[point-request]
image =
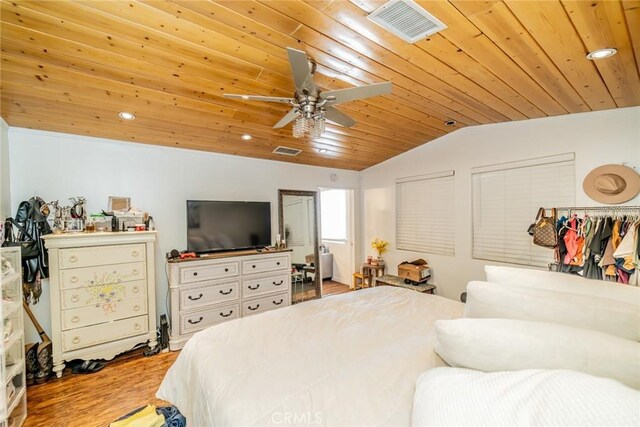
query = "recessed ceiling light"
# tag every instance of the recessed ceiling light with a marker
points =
(246, 137)
(322, 150)
(602, 53)
(125, 115)
(450, 122)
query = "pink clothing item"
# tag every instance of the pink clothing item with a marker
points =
(571, 241)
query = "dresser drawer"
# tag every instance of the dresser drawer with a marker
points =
(98, 334)
(101, 255)
(194, 322)
(105, 311)
(103, 275)
(93, 295)
(265, 304)
(265, 285)
(267, 264)
(198, 296)
(209, 272)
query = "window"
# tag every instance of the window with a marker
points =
(506, 199)
(425, 213)
(333, 208)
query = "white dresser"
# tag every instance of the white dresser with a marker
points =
(103, 297)
(225, 286)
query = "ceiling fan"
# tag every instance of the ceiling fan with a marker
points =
(312, 106)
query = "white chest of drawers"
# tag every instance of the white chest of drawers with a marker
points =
(226, 286)
(103, 297)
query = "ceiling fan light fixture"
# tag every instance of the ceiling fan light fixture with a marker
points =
(246, 137)
(309, 126)
(602, 53)
(125, 115)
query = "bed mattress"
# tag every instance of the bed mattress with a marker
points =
(351, 359)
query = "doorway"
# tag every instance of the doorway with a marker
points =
(337, 249)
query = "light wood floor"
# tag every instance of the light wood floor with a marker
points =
(77, 400)
(329, 287)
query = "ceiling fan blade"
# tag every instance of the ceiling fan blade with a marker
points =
(289, 117)
(259, 98)
(355, 93)
(300, 69)
(336, 116)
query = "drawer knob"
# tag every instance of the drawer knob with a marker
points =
(75, 319)
(75, 298)
(226, 315)
(253, 308)
(75, 340)
(74, 279)
(253, 266)
(135, 272)
(136, 307)
(193, 322)
(226, 270)
(279, 283)
(137, 326)
(254, 288)
(226, 293)
(135, 253)
(136, 289)
(195, 273)
(279, 302)
(278, 263)
(192, 298)
(73, 258)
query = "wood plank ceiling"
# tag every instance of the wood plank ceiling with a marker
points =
(71, 66)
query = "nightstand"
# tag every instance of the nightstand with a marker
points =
(391, 280)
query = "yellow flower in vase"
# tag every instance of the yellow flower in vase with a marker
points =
(380, 246)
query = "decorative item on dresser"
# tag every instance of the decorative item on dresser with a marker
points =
(13, 394)
(225, 286)
(103, 295)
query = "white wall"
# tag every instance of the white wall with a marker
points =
(5, 186)
(158, 180)
(343, 262)
(597, 138)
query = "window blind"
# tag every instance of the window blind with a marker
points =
(425, 213)
(506, 199)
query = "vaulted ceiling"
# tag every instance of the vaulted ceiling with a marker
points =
(71, 66)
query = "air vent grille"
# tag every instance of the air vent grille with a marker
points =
(286, 151)
(407, 20)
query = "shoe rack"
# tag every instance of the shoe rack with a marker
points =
(13, 400)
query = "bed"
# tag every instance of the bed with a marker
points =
(351, 359)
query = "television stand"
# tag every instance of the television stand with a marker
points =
(222, 286)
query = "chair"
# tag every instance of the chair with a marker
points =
(362, 279)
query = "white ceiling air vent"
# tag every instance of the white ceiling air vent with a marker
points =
(407, 20)
(286, 151)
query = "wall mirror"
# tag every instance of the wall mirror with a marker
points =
(297, 214)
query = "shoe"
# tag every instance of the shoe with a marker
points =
(88, 367)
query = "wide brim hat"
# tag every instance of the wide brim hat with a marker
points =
(612, 184)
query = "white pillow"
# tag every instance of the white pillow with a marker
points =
(492, 345)
(461, 397)
(490, 300)
(524, 277)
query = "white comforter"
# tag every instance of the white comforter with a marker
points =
(345, 360)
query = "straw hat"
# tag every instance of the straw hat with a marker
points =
(612, 184)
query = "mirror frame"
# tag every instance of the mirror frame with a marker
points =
(316, 238)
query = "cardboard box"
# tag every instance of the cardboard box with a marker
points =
(416, 271)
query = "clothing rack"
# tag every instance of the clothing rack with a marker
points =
(613, 209)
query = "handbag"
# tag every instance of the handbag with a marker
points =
(544, 231)
(29, 249)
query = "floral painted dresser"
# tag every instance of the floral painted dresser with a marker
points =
(103, 297)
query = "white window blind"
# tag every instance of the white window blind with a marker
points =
(425, 213)
(506, 199)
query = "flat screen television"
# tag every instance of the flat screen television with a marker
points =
(221, 226)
